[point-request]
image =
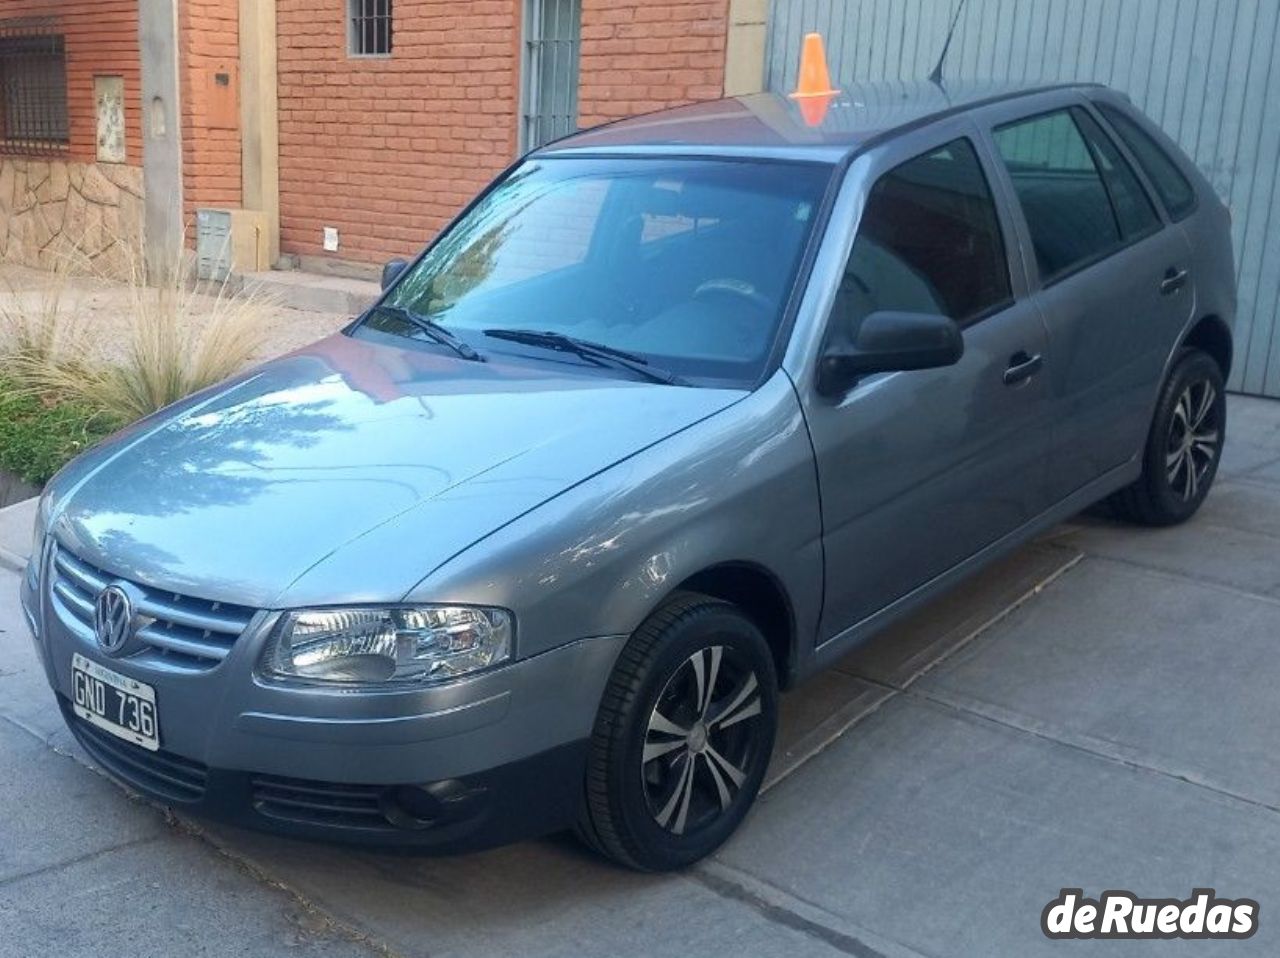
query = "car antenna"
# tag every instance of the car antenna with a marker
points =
(936, 76)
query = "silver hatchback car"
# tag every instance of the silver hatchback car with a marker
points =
(674, 414)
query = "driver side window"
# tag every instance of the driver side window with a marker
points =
(929, 242)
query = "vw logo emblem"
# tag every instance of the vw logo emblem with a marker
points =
(113, 619)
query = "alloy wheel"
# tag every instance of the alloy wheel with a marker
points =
(1195, 435)
(704, 739)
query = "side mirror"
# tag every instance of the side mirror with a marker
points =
(890, 342)
(393, 269)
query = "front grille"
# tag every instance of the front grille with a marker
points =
(320, 803)
(168, 776)
(178, 630)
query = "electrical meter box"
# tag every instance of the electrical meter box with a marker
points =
(230, 241)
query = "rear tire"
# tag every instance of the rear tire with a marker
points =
(683, 736)
(1183, 448)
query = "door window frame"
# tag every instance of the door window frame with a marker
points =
(1100, 110)
(1015, 112)
(1008, 300)
(913, 146)
(1158, 223)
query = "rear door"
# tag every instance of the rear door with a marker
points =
(921, 470)
(1114, 282)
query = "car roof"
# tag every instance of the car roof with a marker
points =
(775, 124)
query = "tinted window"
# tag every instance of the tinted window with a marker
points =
(1175, 192)
(1063, 197)
(1134, 212)
(929, 242)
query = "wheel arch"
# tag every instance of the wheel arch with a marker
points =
(761, 596)
(1212, 335)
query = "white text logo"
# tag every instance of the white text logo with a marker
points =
(1121, 914)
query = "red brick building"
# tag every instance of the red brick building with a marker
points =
(364, 122)
(386, 149)
(56, 59)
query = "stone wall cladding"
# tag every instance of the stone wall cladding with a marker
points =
(59, 212)
(68, 207)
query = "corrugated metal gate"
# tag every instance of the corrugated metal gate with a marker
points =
(1208, 71)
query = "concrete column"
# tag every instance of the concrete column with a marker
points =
(161, 134)
(745, 47)
(259, 122)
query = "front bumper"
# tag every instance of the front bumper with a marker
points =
(465, 764)
(522, 799)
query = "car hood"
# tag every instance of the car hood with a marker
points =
(244, 493)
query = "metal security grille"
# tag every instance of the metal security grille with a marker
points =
(33, 87)
(553, 30)
(369, 29)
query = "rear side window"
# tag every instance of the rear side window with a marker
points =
(1063, 197)
(1175, 191)
(1134, 213)
(929, 242)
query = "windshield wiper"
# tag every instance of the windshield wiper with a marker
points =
(598, 353)
(434, 330)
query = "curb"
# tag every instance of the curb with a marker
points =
(11, 560)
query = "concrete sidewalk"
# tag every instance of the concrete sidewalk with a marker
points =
(1098, 711)
(86, 871)
(315, 292)
(17, 524)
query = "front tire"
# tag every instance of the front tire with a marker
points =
(683, 736)
(1183, 449)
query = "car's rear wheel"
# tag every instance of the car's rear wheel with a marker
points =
(682, 738)
(1183, 448)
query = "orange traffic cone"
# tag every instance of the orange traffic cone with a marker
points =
(813, 89)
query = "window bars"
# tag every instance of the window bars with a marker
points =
(553, 30)
(369, 28)
(33, 87)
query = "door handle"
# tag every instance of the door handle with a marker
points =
(1022, 367)
(1174, 280)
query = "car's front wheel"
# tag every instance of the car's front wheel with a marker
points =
(1184, 446)
(683, 736)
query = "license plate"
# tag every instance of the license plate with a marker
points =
(115, 703)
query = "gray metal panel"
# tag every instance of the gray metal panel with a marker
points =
(213, 244)
(1208, 71)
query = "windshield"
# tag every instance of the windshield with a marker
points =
(685, 264)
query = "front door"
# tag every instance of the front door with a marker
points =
(921, 470)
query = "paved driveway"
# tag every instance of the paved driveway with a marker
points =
(1099, 711)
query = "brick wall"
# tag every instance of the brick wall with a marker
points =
(101, 38)
(388, 149)
(644, 55)
(208, 33)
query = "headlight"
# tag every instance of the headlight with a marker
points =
(363, 646)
